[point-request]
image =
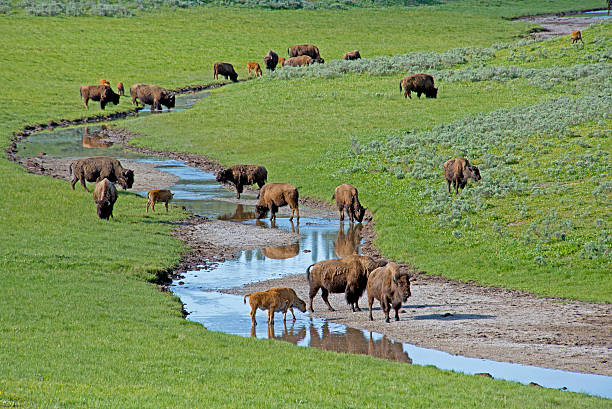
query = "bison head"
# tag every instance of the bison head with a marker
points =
(108, 95)
(234, 77)
(168, 99)
(261, 211)
(299, 304)
(127, 179)
(431, 93)
(225, 176)
(402, 280)
(474, 173)
(360, 214)
(318, 60)
(104, 209)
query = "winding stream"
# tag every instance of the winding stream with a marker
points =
(198, 290)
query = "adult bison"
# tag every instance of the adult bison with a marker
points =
(352, 55)
(305, 49)
(457, 171)
(105, 196)
(226, 70)
(347, 200)
(275, 195)
(390, 287)
(243, 175)
(102, 93)
(419, 83)
(99, 167)
(271, 60)
(348, 275)
(152, 95)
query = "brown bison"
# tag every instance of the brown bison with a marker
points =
(298, 61)
(348, 243)
(105, 196)
(226, 70)
(278, 299)
(576, 35)
(99, 167)
(348, 275)
(457, 171)
(347, 199)
(243, 175)
(390, 287)
(281, 62)
(158, 195)
(419, 83)
(275, 195)
(352, 55)
(120, 88)
(104, 82)
(253, 66)
(102, 93)
(152, 95)
(306, 49)
(271, 60)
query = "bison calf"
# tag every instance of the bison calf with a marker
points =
(158, 195)
(305, 49)
(275, 195)
(99, 167)
(419, 83)
(576, 35)
(390, 287)
(278, 299)
(152, 95)
(271, 60)
(243, 175)
(105, 196)
(352, 55)
(298, 61)
(253, 66)
(281, 62)
(120, 88)
(226, 70)
(102, 93)
(347, 199)
(457, 171)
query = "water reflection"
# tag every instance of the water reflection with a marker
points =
(239, 215)
(348, 243)
(94, 140)
(281, 252)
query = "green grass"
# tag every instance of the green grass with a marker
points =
(81, 325)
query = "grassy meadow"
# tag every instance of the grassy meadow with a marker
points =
(82, 323)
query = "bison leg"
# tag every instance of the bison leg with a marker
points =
(407, 94)
(370, 302)
(253, 311)
(448, 183)
(397, 308)
(148, 204)
(84, 184)
(271, 315)
(85, 101)
(418, 95)
(153, 206)
(384, 303)
(324, 294)
(311, 295)
(166, 207)
(291, 309)
(238, 190)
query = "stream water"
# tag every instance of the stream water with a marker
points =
(320, 239)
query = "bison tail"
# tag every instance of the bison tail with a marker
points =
(308, 272)
(245, 297)
(400, 86)
(333, 196)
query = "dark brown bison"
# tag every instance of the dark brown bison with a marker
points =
(158, 195)
(102, 93)
(120, 88)
(352, 55)
(243, 175)
(275, 195)
(419, 83)
(99, 167)
(348, 275)
(305, 49)
(390, 287)
(152, 95)
(226, 70)
(278, 299)
(347, 199)
(105, 196)
(298, 61)
(271, 60)
(457, 171)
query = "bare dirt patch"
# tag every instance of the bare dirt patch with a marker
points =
(556, 25)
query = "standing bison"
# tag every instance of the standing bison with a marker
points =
(390, 287)
(306, 49)
(120, 88)
(352, 55)
(99, 167)
(457, 171)
(347, 199)
(271, 60)
(226, 70)
(419, 83)
(158, 195)
(279, 299)
(243, 175)
(300, 61)
(275, 195)
(105, 196)
(348, 275)
(576, 36)
(102, 93)
(152, 95)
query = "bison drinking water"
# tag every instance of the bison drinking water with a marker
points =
(275, 195)
(271, 60)
(419, 83)
(226, 70)
(99, 167)
(152, 95)
(457, 171)
(102, 93)
(347, 199)
(243, 175)
(390, 287)
(105, 196)
(278, 299)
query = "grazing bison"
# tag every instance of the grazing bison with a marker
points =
(158, 195)
(576, 35)
(352, 55)
(253, 66)
(419, 83)
(120, 88)
(226, 70)
(104, 82)
(243, 175)
(348, 275)
(305, 49)
(457, 171)
(298, 61)
(390, 287)
(271, 60)
(281, 62)
(347, 199)
(99, 167)
(105, 196)
(152, 95)
(102, 93)
(275, 299)
(275, 195)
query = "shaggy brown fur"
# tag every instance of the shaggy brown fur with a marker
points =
(226, 70)
(419, 83)
(390, 288)
(102, 93)
(348, 243)
(576, 36)
(120, 88)
(275, 195)
(298, 61)
(152, 95)
(281, 62)
(243, 175)
(271, 60)
(305, 49)
(158, 195)
(457, 171)
(253, 66)
(105, 196)
(99, 167)
(275, 299)
(347, 199)
(348, 275)
(281, 252)
(352, 55)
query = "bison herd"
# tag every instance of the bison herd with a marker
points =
(146, 94)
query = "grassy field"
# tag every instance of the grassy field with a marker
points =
(81, 323)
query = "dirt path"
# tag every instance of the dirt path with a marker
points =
(556, 25)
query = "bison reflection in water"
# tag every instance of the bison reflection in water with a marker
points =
(348, 243)
(238, 215)
(281, 252)
(94, 140)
